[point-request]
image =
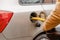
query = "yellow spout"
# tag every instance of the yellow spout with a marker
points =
(38, 18)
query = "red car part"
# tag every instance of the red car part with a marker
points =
(5, 17)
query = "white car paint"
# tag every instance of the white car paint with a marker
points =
(20, 26)
(13, 5)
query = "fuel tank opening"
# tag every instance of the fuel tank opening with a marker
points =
(33, 14)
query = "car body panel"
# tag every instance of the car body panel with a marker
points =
(20, 25)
